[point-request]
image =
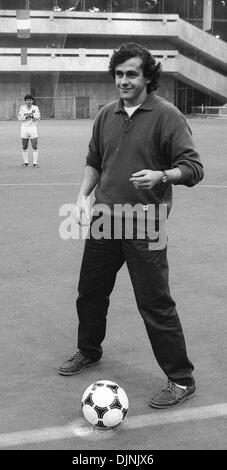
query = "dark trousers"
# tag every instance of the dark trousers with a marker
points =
(149, 274)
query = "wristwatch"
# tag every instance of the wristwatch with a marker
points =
(164, 177)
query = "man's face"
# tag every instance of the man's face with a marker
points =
(29, 103)
(130, 81)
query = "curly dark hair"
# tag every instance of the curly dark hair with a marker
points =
(151, 69)
(29, 97)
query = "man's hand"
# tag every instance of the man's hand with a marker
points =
(146, 179)
(82, 212)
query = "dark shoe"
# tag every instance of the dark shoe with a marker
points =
(172, 395)
(24, 164)
(35, 165)
(75, 364)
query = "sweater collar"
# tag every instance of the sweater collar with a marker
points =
(147, 105)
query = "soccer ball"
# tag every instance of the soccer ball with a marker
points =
(104, 404)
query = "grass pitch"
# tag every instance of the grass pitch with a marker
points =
(39, 274)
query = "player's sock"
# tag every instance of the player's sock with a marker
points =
(25, 155)
(35, 157)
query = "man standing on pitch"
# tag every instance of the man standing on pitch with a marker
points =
(140, 146)
(29, 115)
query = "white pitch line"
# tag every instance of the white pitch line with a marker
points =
(80, 430)
(177, 416)
(221, 186)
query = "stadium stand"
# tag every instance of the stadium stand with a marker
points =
(59, 51)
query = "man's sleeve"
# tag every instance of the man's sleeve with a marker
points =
(182, 151)
(37, 113)
(21, 114)
(94, 154)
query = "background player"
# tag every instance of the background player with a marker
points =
(29, 114)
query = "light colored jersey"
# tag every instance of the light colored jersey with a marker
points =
(24, 116)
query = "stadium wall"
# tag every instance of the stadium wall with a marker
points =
(94, 90)
(12, 85)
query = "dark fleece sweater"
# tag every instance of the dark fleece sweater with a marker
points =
(156, 137)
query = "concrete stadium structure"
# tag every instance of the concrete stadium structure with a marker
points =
(64, 60)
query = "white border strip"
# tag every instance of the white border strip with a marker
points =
(80, 430)
(39, 184)
(213, 186)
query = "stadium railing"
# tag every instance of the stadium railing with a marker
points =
(209, 111)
